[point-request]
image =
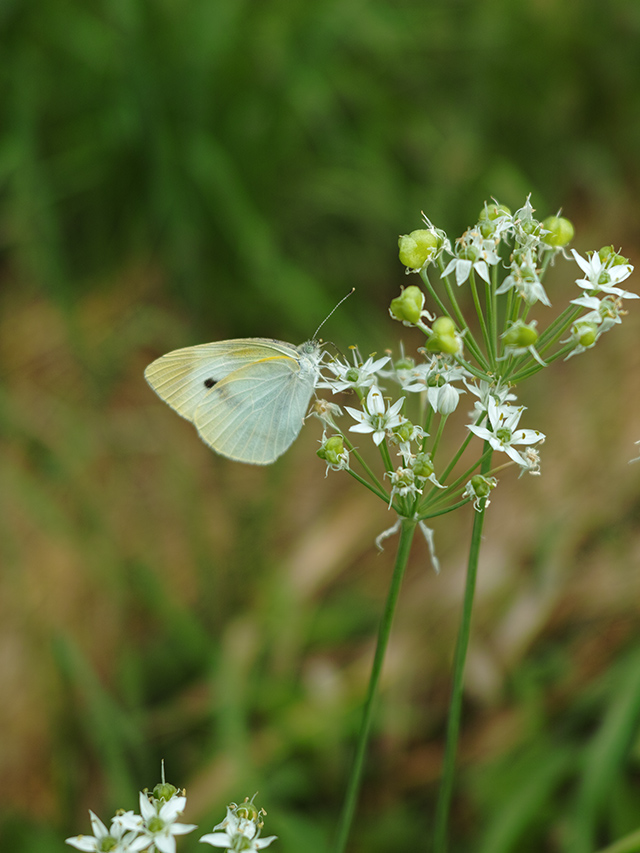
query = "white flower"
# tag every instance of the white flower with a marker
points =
(524, 279)
(444, 398)
(601, 278)
(158, 824)
(474, 252)
(485, 391)
(356, 375)
(239, 834)
(504, 432)
(125, 840)
(377, 418)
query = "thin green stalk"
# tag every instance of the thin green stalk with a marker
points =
(364, 465)
(481, 318)
(629, 844)
(382, 495)
(407, 530)
(455, 707)
(444, 511)
(438, 436)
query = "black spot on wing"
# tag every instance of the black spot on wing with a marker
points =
(209, 383)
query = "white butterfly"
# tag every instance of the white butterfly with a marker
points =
(247, 398)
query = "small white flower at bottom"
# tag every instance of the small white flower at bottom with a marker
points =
(124, 840)
(239, 834)
(158, 824)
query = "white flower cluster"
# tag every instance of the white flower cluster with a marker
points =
(156, 827)
(503, 259)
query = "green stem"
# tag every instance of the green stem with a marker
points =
(455, 707)
(628, 844)
(407, 530)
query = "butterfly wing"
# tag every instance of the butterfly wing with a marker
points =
(256, 412)
(183, 378)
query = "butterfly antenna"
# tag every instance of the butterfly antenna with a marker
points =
(333, 310)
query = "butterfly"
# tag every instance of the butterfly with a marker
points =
(247, 398)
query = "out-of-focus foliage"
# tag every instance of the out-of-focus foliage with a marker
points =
(263, 151)
(173, 172)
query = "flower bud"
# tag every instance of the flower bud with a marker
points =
(404, 432)
(417, 248)
(332, 451)
(443, 337)
(521, 335)
(164, 791)
(482, 485)
(585, 332)
(478, 489)
(443, 326)
(444, 399)
(422, 465)
(493, 211)
(611, 258)
(408, 306)
(488, 215)
(560, 230)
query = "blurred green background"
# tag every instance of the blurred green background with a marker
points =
(178, 172)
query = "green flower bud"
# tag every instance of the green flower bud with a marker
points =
(408, 306)
(417, 248)
(560, 230)
(493, 211)
(164, 791)
(443, 337)
(585, 333)
(611, 258)
(488, 215)
(481, 485)
(443, 326)
(404, 431)
(332, 450)
(521, 335)
(404, 363)
(448, 344)
(247, 810)
(422, 465)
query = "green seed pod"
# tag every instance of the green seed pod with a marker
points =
(408, 306)
(443, 326)
(560, 230)
(611, 258)
(521, 335)
(332, 450)
(586, 333)
(417, 248)
(448, 344)
(481, 485)
(422, 465)
(492, 211)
